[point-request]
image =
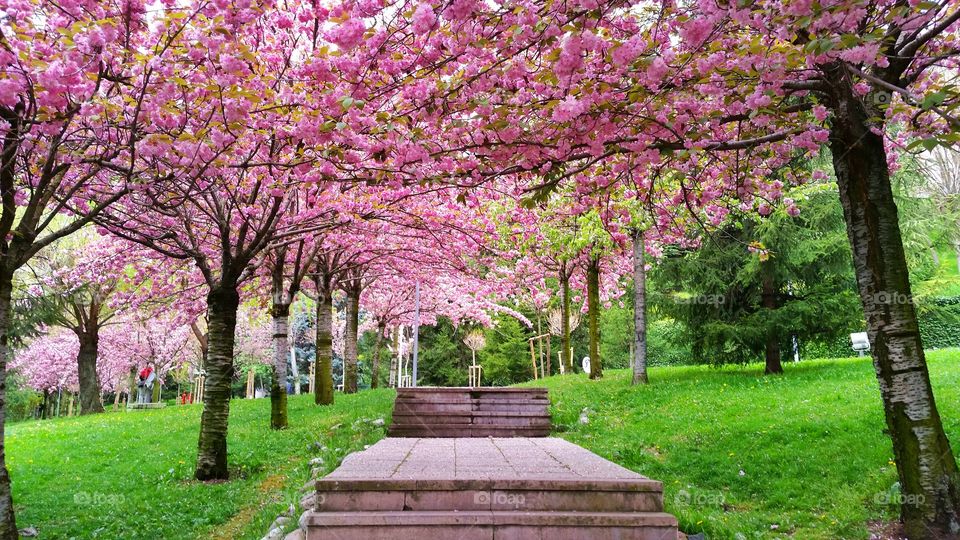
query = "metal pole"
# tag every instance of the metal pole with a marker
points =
(416, 334)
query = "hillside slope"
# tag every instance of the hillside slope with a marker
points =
(742, 455)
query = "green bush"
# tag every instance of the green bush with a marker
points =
(940, 322)
(22, 402)
(665, 344)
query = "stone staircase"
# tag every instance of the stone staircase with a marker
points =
(471, 412)
(483, 488)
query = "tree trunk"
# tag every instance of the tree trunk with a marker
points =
(44, 405)
(222, 303)
(927, 469)
(956, 251)
(395, 358)
(87, 370)
(639, 309)
(375, 363)
(769, 301)
(593, 311)
(565, 355)
(8, 524)
(132, 386)
(323, 371)
(350, 340)
(278, 388)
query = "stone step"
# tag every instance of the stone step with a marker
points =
(496, 415)
(466, 430)
(460, 419)
(460, 398)
(572, 495)
(487, 525)
(471, 412)
(444, 395)
(477, 414)
(525, 408)
(500, 390)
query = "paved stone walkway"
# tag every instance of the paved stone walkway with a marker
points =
(545, 458)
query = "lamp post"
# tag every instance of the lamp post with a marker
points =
(416, 334)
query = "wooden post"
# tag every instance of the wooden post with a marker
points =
(312, 381)
(540, 343)
(70, 405)
(198, 389)
(533, 360)
(549, 371)
(250, 383)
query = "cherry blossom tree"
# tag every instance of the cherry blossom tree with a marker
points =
(71, 88)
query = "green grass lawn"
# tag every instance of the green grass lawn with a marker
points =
(130, 475)
(741, 455)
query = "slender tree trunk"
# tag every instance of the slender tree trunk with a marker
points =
(323, 371)
(956, 252)
(639, 309)
(222, 304)
(549, 352)
(278, 388)
(350, 340)
(132, 385)
(375, 363)
(565, 354)
(8, 524)
(593, 309)
(769, 301)
(929, 478)
(395, 357)
(87, 370)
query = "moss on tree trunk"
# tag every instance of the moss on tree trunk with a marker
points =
(280, 312)
(222, 303)
(323, 370)
(350, 340)
(927, 469)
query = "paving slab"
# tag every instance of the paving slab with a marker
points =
(470, 458)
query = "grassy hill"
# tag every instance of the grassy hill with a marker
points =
(740, 455)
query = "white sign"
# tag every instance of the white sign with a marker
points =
(859, 341)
